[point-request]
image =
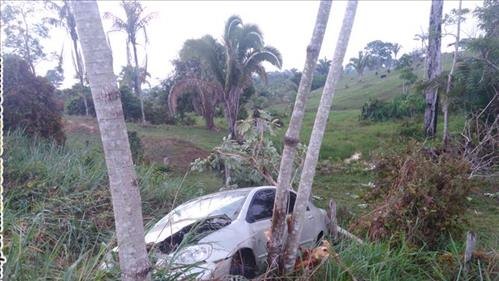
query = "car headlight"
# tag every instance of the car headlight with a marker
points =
(193, 254)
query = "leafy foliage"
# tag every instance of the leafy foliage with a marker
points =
(405, 105)
(419, 195)
(30, 102)
(254, 161)
(135, 146)
(23, 34)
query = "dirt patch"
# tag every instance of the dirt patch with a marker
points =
(175, 153)
(81, 125)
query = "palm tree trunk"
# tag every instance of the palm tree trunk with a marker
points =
(232, 110)
(127, 207)
(137, 81)
(291, 138)
(79, 71)
(308, 172)
(434, 67)
(445, 101)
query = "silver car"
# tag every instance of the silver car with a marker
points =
(224, 233)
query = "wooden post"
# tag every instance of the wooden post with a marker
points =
(332, 222)
(470, 247)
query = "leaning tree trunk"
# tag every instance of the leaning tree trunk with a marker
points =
(434, 67)
(125, 195)
(308, 172)
(291, 138)
(445, 100)
(138, 90)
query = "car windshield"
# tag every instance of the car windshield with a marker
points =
(228, 203)
(224, 203)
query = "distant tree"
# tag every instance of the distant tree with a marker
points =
(123, 184)
(380, 54)
(24, 30)
(242, 55)
(434, 67)
(67, 21)
(408, 78)
(56, 75)
(323, 66)
(395, 49)
(134, 22)
(360, 63)
(455, 17)
(29, 102)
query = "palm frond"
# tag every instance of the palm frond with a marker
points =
(230, 26)
(268, 54)
(209, 91)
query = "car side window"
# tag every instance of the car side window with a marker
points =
(262, 206)
(291, 202)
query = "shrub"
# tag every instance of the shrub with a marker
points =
(420, 195)
(406, 105)
(135, 146)
(30, 102)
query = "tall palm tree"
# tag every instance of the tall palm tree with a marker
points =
(360, 63)
(67, 20)
(125, 195)
(310, 163)
(134, 22)
(232, 64)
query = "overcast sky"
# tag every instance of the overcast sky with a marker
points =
(286, 25)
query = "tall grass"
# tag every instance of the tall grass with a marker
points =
(58, 215)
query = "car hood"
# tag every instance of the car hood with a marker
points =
(161, 231)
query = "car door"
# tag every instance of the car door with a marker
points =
(307, 237)
(259, 218)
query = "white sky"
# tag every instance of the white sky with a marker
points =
(287, 25)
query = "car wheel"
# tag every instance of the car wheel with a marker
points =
(243, 264)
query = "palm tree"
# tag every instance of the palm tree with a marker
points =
(67, 20)
(232, 64)
(134, 22)
(395, 49)
(292, 137)
(323, 66)
(310, 163)
(359, 63)
(127, 207)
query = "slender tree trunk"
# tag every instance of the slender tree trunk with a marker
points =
(137, 81)
(434, 67)
(308, 172)
(134, 262)
(79, 71)
(291, 138)
(445, 100)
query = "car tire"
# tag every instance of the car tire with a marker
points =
(243, 264)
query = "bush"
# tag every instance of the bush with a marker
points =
(406, 105)
(420, 195)
(136, 147)
(30, 102)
